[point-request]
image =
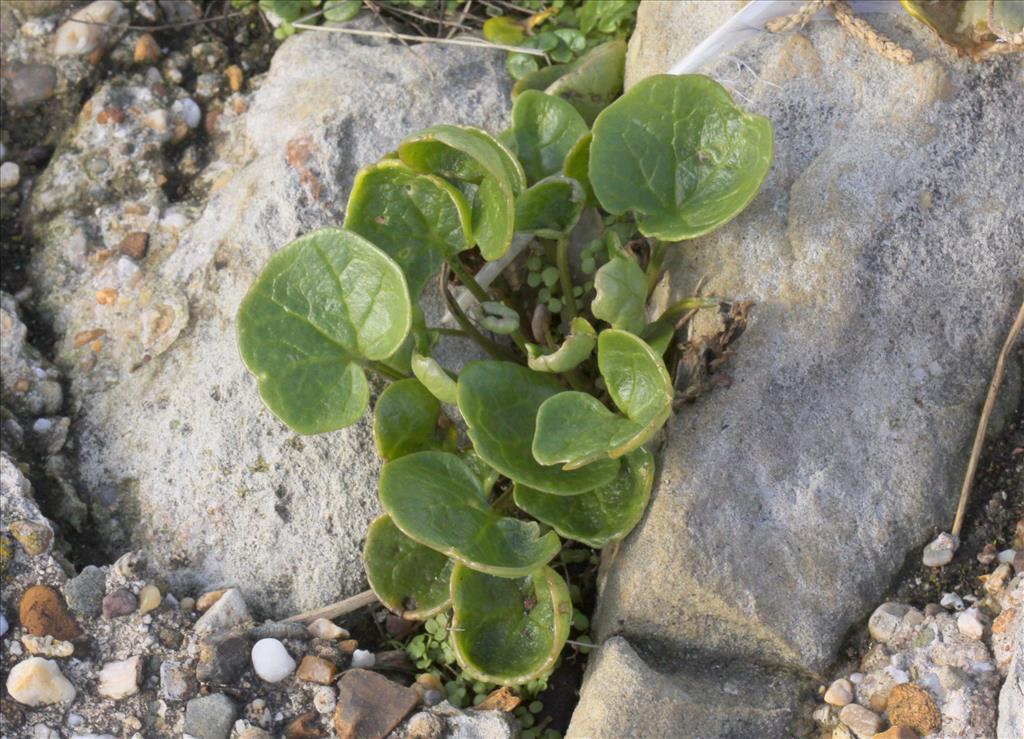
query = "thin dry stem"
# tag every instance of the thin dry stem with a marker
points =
(336, 610)
(478, 43)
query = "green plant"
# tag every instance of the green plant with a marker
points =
(558, 419)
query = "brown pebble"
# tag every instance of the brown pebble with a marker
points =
(147, 50)
(22, 385)
(106, 296)
(208, 599)
(43, 612)
(1018, 560)
(235, 77)
(878, 701)
(370, 705)
(502, 699)
(348, 646)
(110, 114)
(988, 554)
(96, 345)
(85, 337)
(1004, 621)
(914, 707)
(134, 245)
(119, 603)
(316, 670)
(896, 732)
(304, 727)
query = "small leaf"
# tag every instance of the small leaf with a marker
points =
(493, 218)
(594, 80)
(600, 516)
(498, 318)
(405, 420)
(520, 65)
(544, 128)
(434, 378)
(321, 305)
(577, 165)
(407, 577)
(499, 401)
(574, 350)
(551, 208)
(575, 429)
(621, 295)
(417, 219)
(540, 79)
(677, 152)
(504, 30)
(437, 500)
(509, 632)
(339, 11)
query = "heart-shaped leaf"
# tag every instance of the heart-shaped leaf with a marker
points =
(544, 129)
(504, 30)
(572, 353)
(509, 631)
(602, 515)
(494, 218)
(621, 288)
(405, 420)
(551, 208)
(577, 165)
(417, 219)
(324, 304)
(680, 154)
(436, 499)
(434, 378)
(499, 401)
(407, 577)
(540, 79)
(594, 80)
(575, 429)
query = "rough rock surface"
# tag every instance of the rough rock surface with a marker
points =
(177, 454)
(788, 501)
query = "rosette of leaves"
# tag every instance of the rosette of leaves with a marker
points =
(557, 423)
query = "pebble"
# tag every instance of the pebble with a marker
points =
(187, 605)
(897, 732)
(885, 620)
(119, 603)
(176, 682)
(47, 646)
(131, 565)
(996, 582)
(839, 693)
(271, 660)
(279, 630)
(85, 592)
(10, 175)
(43, 613)
(34, 536)
(39, 682)
(304, 726)
(208, 599)
(952, 600)
(370, 705)
(4, 626)
(149, 598)
(940, 552)
(914, 707)
(424, 725)
(222, 659)
(75, 38)
(363, 658)
(862, 722)
(1006, 556)
(134, 245)
(988, 554)
(147, 51)
(970, 624)
(120, 679)
(30, 84)
(236, 77)
(323, 699)
(324, 629)
(228, 611)
(210, 716)
(188, 110)
(316, 670)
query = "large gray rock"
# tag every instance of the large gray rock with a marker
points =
(1011, 697)
(884, 254)
(178, 455)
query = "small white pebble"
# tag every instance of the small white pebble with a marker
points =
(324, 629)
(189, 111)
(126, 268)
(39, 372)
(857, 678)
(74, 720)
(363, 658)
(952, 600)
(271, 660)
(839, 693)
(1007, 555)
(42, 425)
(10, 175)
(970, 624)
(898, 676)
(16, 649)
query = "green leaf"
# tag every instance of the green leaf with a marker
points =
(493, 218)
(540, 79)
(499, 401)
(407, 577)
(405, 420)
(573, 352)
(594, 80)
(436, 499)
(575, 429)
(965, 26)
(551, 208)
(520, 65)
(417, 219)
(506, 631)
(321, 306)
(419, 339)
(621, 295)
(544, 128)
(680, 154)
(339, 11)
(498, 318)
(602, 515)
(577, 165)
(434, 378)
(504, 30)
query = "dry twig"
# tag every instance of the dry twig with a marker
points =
(336, 610)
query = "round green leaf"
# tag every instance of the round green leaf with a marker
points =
(602, 515)
(504, 30)
(434, 377)
(436, 499)
(417, 219)
(621, 298)
(407, 577)
(540, 79)
(499, 401)
(494, 218)
(405, 420)
(507, 631)
(574, 350)
(544, 128)
(577, 165)
(322, 304)
(462, 153)
(575, 429)
(551, 208)
(594, 80)
(680, 154)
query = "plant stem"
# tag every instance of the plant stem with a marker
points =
(502, 502)
(382, 369)
(495, 350)
(687, 304)
(480, 294)
(441, 331)
(654, 264)
(565, 278)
